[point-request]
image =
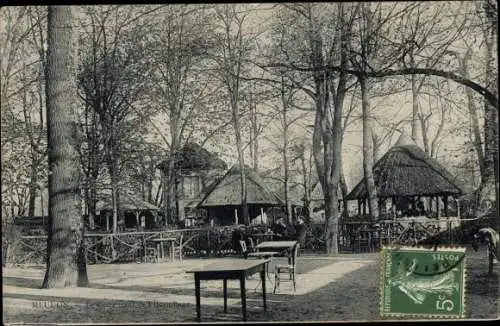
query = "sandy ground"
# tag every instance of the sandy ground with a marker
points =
(328, 289)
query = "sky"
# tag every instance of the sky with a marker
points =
(389, 108)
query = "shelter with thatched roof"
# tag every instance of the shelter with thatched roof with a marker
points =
(223, 200)
(193, 157)
(404, 175)
(137, 213)
(194, 170)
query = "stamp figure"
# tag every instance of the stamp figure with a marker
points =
(422, 282)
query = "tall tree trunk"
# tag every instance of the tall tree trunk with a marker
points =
(368, 151)
(32, 188)
(284, 112)
(331, 200)
(476, 131)
(173, 196)
(170, 190)
(151, 171)
(328, 130)
(66, 265)
(344, 190)
(254, 146)
(424, 127)
(488, 180)
(306, 184)
(92, 200)
(113, 173)
(414, 116)
(165, 194)
(241, 160)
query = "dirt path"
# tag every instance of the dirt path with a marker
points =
(329, 289)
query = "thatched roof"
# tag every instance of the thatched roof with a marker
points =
(406, 170)
(317, 192)
(227, 191)
(193, 157)
(127, 203)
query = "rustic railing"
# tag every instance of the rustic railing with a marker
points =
(216, 241)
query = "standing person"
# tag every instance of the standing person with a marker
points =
(279, 229)
(492, 239)
(421, 208)
(300, 231)
(236, 236)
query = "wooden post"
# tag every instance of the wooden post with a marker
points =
(106, 215)
(235, 216)
(359, 206)
(261, 215)
(393, 208)
(445, 201)
(438, 207)
(364, 206)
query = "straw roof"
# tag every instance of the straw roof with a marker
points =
(406, 170)
(227, 191)
(317, 192)
(127, 203)
(194, 157)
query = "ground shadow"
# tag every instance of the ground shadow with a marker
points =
(22, 282)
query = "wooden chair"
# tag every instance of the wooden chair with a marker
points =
(150, 253)
(177, 250)
(363, 241)
(288, 269)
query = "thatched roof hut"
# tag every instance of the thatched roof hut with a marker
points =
(405, 171)
(227, 191)
(193, 157)
(133, 208)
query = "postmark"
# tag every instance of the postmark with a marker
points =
(420, 282)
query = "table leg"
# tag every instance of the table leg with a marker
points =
(243, 296)
(263, 280)
(197, 290)
(225, 294)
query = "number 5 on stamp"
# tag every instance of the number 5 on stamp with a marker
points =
(421, 282)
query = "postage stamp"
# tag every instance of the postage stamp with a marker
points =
(420, 282)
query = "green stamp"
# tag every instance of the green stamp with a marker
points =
(422, 282)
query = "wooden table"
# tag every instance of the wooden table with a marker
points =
(161, 249)
(263, 236)
(276, 245)
(230, 269)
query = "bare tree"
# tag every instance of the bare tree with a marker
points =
(22, 96)
(233, 51)
(111, 80)
(489, 179)
(181, 45)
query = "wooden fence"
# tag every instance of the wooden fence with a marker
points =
(216, 241)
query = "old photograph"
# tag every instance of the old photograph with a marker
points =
(249, 162)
